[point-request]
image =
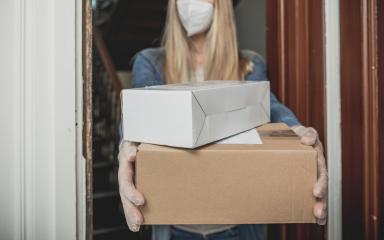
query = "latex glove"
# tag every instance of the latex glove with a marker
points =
(130, 197)
(310, 137)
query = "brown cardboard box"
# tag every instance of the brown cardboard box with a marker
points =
(229, 184)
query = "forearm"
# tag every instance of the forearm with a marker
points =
(281, 113)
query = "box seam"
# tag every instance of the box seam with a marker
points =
(205, 117)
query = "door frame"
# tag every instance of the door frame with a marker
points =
(333, 106)
(284, 78)
(41, 79)
(87, 143)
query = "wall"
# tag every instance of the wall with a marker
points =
(9, 183)
(251, 25)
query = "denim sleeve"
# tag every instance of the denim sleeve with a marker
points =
(279, 112)
(143, 74)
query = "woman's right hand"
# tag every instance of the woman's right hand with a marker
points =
(130, 197)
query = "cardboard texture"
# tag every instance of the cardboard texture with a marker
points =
(194, 114)
(229, 183)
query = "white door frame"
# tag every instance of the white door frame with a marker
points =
(333, 110)
(40, 139)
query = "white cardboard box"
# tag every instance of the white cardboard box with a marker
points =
(194, 114)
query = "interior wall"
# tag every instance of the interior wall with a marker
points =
(9, 187)
(251, 25)
(38, 133)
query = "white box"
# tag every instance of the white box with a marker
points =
(194, 114)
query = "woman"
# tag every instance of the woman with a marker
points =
(200, 44)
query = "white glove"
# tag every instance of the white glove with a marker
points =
(310, 137)
(130, 197)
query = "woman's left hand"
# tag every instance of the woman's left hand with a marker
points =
(310, 137)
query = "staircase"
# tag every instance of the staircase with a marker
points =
(136, 25)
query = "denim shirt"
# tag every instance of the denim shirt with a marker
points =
(148, 71)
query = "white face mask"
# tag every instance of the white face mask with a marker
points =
(195, 15)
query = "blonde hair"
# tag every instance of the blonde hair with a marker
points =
(221, 56)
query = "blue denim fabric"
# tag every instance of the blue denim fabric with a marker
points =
(230, 234)
(148, 70)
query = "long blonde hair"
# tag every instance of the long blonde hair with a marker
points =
(221, 56)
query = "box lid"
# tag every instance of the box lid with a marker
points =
(273, 135)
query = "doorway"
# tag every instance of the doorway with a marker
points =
(289, 36)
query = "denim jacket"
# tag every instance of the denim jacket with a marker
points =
(148, 71)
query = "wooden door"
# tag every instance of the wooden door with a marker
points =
(296, 69)
(362, 118)
(381, 116)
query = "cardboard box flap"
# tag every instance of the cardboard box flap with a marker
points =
(240, 105)
(265, 103)
(198, 120)
(274, 136)
(273, 127)
(266, 146)
(233, 98)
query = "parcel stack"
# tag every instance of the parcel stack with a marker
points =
(216, 183)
